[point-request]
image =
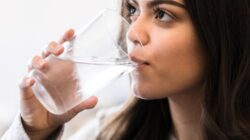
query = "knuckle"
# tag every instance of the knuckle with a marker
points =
(32, 61)
(52, 46)
(22, 82)
(35, 59)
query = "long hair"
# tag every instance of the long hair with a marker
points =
(223, 28)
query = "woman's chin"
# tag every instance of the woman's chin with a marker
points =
(149, 92)
(144, 93)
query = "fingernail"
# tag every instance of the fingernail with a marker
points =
(28, 82)
(40, 63)
(58, 50)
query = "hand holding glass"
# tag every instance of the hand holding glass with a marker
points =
(93, 59)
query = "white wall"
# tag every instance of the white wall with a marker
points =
(27, 25)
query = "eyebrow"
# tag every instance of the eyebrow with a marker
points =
(172, 2)
(153, 3)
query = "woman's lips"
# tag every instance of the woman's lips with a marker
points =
(140, 63)
(141, 68)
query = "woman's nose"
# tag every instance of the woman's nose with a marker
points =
(137, 32)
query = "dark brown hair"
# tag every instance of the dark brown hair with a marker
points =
(223, 27)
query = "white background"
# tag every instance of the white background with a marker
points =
(25, 27)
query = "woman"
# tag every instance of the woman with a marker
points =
(192, 82)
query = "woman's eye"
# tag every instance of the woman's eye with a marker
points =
(132, 11)
(162, 16)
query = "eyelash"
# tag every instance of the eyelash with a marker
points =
(128, 8)
(156, 11)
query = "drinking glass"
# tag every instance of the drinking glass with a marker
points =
(93, 59)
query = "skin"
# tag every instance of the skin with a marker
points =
(37, 121)
(171, 63)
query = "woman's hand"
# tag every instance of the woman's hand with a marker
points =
(37, 121)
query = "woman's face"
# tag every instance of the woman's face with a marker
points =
(171, 60)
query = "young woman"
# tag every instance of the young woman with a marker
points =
(192, 82)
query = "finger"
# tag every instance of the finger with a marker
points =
(56, 48)
(36, 63)
(87, 104)
(45, 52)
(67, 36)
(25, 85)
(53, 48)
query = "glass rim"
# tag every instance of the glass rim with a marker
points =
(69, 47)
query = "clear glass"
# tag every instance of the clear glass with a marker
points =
(96, 57)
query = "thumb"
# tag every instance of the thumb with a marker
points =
(25, 85)
(86, 104)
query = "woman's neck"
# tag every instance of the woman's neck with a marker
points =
(185, 111)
